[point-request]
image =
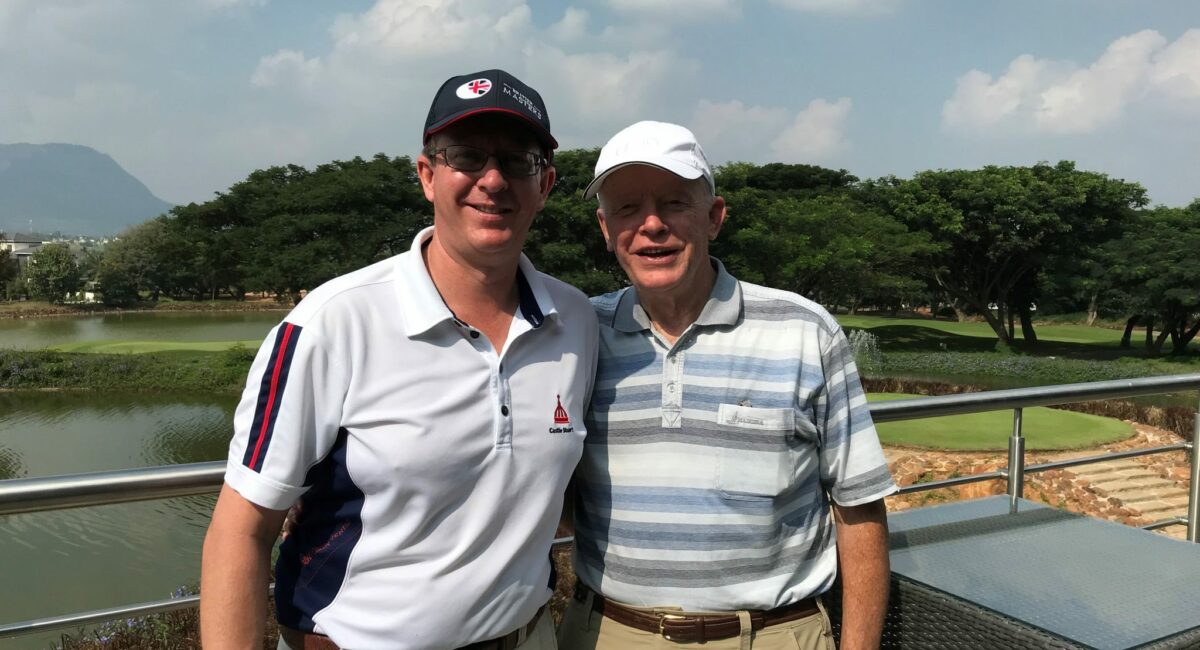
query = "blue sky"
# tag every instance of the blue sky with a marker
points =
(192, 95)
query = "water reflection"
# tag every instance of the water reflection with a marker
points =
(10, 464)
(90, 558)
(34, 333)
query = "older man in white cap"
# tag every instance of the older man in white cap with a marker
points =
(731, 461)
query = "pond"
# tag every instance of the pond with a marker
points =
(90, 558)
(34, 333)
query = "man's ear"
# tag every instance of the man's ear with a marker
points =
(604, 229)
(547, 183)
(716, 217)
(425, 174)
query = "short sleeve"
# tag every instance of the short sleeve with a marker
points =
(288, 417)
(853, 468)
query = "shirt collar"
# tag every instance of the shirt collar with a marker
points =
(724, 306)
(423, 307)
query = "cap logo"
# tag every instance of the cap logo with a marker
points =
(474, 89)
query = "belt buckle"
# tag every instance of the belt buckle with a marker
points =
(662, 620)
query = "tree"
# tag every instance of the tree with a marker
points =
(52, 273)
(1001, 224)
(286, 229)
(565, 240)
(1154, 266)
(8, 268)
(831, 247)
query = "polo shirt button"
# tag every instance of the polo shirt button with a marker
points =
(474, 334)
(504, 410)
(671, 388)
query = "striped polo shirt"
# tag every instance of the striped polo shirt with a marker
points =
(709, 464)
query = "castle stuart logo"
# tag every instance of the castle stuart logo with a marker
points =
(562, 423)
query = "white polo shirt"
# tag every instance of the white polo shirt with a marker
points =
(432, 467)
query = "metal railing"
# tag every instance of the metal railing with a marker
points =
(104, 488)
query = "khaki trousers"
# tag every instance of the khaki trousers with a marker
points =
(585, 629)
(541, 638)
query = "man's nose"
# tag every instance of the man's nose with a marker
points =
(491, 179)
(652, 224)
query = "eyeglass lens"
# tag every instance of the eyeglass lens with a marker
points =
(466, 158)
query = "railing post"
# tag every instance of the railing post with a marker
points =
(1193, 526)
(1016, 462)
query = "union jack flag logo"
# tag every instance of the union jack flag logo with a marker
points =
(474, 88)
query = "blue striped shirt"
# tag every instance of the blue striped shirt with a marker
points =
(709, 463)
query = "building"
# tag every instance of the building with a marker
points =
(20, 250)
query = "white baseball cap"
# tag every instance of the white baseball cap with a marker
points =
(667, 146)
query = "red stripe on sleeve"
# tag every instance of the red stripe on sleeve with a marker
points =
(262, 434)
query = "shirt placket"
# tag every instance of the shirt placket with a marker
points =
(672, 389)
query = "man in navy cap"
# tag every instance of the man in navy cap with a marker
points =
(429, 410)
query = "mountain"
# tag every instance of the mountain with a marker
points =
(71, 189)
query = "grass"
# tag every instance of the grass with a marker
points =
(1044, 429)
(160, 371)
(142, 347)
(38, 309)
(1053, 333)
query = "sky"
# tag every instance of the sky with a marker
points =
(190, 96)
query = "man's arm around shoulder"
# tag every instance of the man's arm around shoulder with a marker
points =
(234, 572)
(862, 548)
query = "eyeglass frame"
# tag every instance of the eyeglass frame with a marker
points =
(540, 162)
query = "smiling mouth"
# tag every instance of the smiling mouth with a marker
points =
(491, 210)
(656, 253)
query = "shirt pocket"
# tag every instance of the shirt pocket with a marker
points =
(757, 462)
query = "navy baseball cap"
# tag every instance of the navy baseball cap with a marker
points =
(490, 91)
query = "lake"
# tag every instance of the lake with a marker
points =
(90, 558)
(34, 333)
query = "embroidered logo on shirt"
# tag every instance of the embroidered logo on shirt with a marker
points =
(561, 421)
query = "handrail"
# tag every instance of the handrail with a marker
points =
(123, 486)
(1000, 400)
(103, 488)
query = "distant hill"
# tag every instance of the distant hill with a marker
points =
(71, 189)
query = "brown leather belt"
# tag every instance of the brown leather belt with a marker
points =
(311, 641)
(694, 628)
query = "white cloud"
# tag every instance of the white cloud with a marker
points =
(607, 88)
(286, 66)
(572, 27)
(838, 6)
(682, 10)
(1176, 69)
(816, 133)
(429, 28)
(1097, 95)
(591, 87)
(231, 4)
(734, 131)
(980, 101)
(1061, 97)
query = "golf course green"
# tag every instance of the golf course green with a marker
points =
(1045, 429)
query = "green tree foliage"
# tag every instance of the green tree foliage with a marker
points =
(8, 268)
(1152, 268)
(565, 239)
(287, 229)
(52, 273)
(830, 247)
(1000, 225)
(801, 228)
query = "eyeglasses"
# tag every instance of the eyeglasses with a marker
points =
(466, 158)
